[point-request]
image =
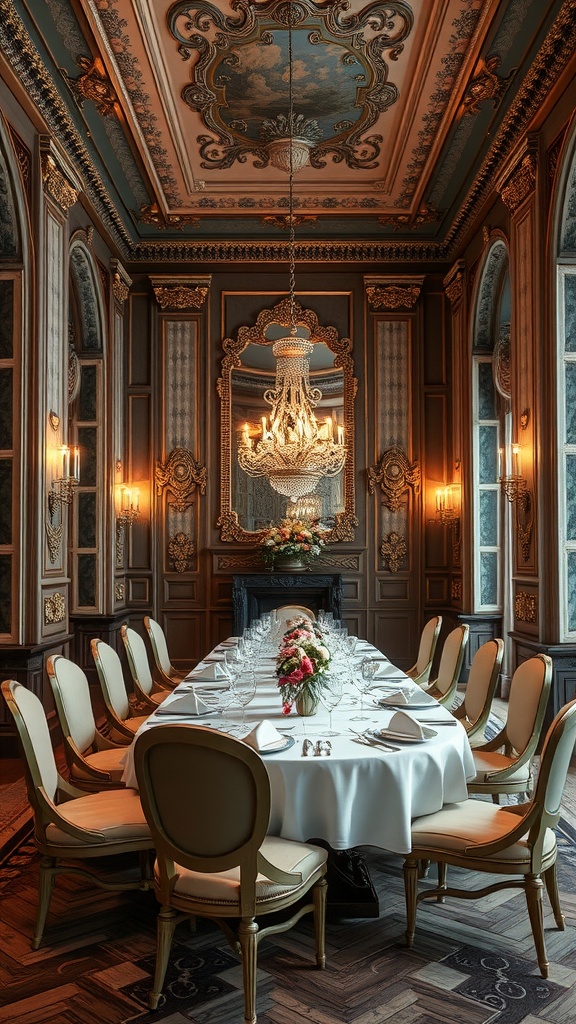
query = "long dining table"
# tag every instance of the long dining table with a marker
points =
(350, 794)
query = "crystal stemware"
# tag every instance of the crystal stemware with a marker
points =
(363, 682)
(243, 688)
(330, 697)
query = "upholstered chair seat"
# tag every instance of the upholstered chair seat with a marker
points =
(114, 816)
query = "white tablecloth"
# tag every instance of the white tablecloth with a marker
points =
(358, 796)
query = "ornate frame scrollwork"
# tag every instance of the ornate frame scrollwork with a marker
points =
(395, 475)
(181, 475)
(228, 521)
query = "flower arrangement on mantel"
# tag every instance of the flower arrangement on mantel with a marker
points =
(302, 662)
(292, 538)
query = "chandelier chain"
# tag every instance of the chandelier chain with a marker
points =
(291, 241)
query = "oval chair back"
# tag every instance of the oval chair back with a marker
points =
(73, 706)
(166, 670)
(480, 688)
(420, 672)
(446, 682)
(292, 613)
(121, 719)
(147, 693)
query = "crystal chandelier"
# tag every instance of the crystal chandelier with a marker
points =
(294, 450)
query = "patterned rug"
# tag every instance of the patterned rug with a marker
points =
(472, 961)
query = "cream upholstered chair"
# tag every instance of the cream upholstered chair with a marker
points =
(68, 823)
(420, 672)
(214, 858)
(504, 764)
(94, 761)
(444, 686)
(166, 671)
(474, 710)
(514, 841)
(290, 613)
(148, 693)
(122, 718)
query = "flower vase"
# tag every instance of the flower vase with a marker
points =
(306, 704)
(290, 563)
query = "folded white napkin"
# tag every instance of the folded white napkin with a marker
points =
(264, 736)
(386, 670)
(207, 673)
(190, 704)
(404, 725)
(403, 695)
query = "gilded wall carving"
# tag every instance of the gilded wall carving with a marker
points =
(181, 475)
(525, 607)
(56, 184)
(393, 549)
(395, 475)
(180, 295)
(54, 609)
(180, 551)
(393, 296)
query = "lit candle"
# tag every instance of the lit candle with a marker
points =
(502, 463)
(448, 498)
(340, 435)
(263, 427)
(516, 460)
(246, 436)
(136, 505)
(126, 499)
(76, 463)
(439, 500)
(65, 452)
(329, 429)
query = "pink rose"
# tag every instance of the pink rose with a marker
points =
(295, 676)
(306, 666)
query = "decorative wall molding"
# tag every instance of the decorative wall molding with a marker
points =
(121, 281)
(393, 549)
(501, 363)
(54, 609)
(456, 589)
(119, 591)
(393, 293)
(180, 550)
(181, 293)
(55, 181)
(53, 537)
(525, 607)
(454, 282)
(395, 475)
(181, 475)
(516, 185)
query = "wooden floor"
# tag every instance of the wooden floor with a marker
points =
(473, 962)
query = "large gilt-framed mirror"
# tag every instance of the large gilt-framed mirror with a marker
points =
(248, 505)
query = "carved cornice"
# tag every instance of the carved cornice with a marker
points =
(521, 183)
(180, 293)
(525, 607)
(393, 294)
(54, 609)
(24, 158)
(181, 475)
(395, 475)
(56, 184)
(393, 549)
(121, 282)
(454, 282)
(152, 214)
(180, 550)
(277, 252)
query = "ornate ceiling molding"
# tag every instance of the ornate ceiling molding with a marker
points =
(121, 282)
(180, 293)
(485, 84)
(515, 186)
(454, 282)
(393, 293)
(94, 85)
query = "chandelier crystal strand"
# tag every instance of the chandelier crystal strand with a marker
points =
(294, 452)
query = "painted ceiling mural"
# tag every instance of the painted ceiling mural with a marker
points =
(173, 112)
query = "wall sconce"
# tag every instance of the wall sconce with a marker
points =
(448, 513)
(64, 485)
(129, 506)
(515, 487)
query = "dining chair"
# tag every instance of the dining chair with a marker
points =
(122, 718)
(443, 688)
(69, 824)
(290, 613)
(148, 693)
(474, 711)
(94, 761)
(516, 841)
(214, 858)
(504, 764)
(420, 672)
(169, 676)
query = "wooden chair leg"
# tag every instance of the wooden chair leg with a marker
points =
(533, 890)
(248, 936)
(551, 883)
(47, 872)
(411, 872)
(442, 876)
(319, 898)
(166, 925)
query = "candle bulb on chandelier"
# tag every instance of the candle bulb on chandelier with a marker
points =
(76, 463)
(516, 460)
(246, 436)
(264, 428)
(136, 501)
(439, 500)
(65, 453)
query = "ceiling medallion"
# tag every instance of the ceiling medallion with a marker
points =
(345, 49)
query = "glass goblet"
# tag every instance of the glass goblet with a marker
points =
(243, 688)
(330, 697)
(363, 682)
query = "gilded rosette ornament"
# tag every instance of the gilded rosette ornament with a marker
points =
(395, 475)
(181, 475)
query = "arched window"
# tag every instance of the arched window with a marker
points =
(566, 377)
(491, 425)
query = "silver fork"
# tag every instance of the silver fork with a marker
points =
(369, 742)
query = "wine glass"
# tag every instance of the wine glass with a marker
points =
(243, 687)
(368, 670)
(331, 695)
(233, 662)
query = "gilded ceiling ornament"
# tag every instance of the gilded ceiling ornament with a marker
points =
(180, 550)
(424, 215)
(283, 221)
(525, 607)
(94, 85)
(181, 475)
(485, 85)
(54, 608)
(393, 296)
(358, 42)
(521, 183)
(395, 476)
(454, 282)
(56, 184)
(152, 214)
(393, 549)
(121, 282)
(180, 296)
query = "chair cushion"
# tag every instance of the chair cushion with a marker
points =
(223, 886)
(488, 761)
(116, 813)
(458, 826)
(105, 761)
(133, 724)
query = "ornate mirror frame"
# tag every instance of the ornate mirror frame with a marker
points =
(344, 522)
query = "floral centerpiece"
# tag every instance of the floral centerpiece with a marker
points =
(292, 538)
(301, 665)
